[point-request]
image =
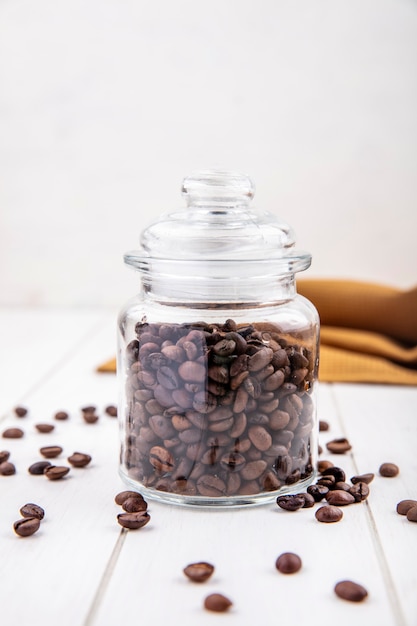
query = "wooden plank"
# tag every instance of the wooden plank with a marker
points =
(381, 424)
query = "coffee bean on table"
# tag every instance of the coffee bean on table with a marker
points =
(12, 433)
(338, 446)
(61, 415)
(56, 472)
(362, 478)
(329, 514)
(7, 468)
(79, 459)
(360, 491)
(44, 428)
(405, 505)
(338, 473)
(26, 526)
(291, 502)
(32, 510)
(309, 501)
(323, 425)
(134, 504)
(39, 467)
(20, 411)
(338, 497)
(111, 410)
(50, 452)
(351, 591)
(133, 521)
(124, 495)
(389, 470)
(217, 602)
(90, 418)
(199, 572)
(288, 563)
(319, 492)
(4, 455)
(323, 465)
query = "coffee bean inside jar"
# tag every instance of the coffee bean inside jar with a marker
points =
(218, 409)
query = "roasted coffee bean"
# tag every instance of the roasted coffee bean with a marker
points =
(7, 468)
(211, 486)
(26, 526)
(4, 455)
(134, 504)
(199, 572)
(412, 514)
(291, 502)
(124, 495)
(362, 478)
(288, 563)
(56, 472)
(217, 602)
(309, 501)
(133, 521)
(32, 510)
(20, 411)
(327, 481)
(39, 467)
(338, 446)
(338, 497)
(342, 485)
(389, 470)
(12, 433)
(260, 437)
(324, 465)
(193, 372)
(90, 418)
(337, 472)
(405, 505)
(323, 425)
(89, 409)
(360, 491)
(62, 415)
(111, 410)
(328, 514)
(161, 459)
(351, 591)
(79, 459)
(318, 492)
(44, 428)
(50, 452)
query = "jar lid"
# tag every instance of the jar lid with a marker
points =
(217, 227)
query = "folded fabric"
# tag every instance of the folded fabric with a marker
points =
(368, 332)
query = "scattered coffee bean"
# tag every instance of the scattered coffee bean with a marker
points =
(39, 467)
(199, 572)
(360, 491)
(319, 492)
(348, 590)
(338, 446)
(89, 409)
(217, 602)
(388, 470)
(362, 478)
(13, 433)
(32, 510)
(90, 418)
(111, 410)
(337, 472)
(50, 452)
(44, 428)
(291, 502)
(134, 504)
(309, 501)
(26, 526)
(323, 425)
(79, 459)
(20, 411)
(4, 455)
(405, 505)
(338, 497)
(56, 472)
(329, 514)
(61, 415)
(124, 495)
(7, 468)
(323, 465)
(412, 514)
(133, 521)
(288, 563)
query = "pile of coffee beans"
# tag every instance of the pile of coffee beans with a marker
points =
(408, 508)
(136, 510)
(7, 468)
(218, 410)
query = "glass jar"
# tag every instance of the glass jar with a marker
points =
(218, 354)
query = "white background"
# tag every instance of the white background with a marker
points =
(105, 105)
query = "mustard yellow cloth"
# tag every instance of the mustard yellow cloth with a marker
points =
(368, 331)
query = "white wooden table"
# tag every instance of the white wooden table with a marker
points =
(82, 569)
